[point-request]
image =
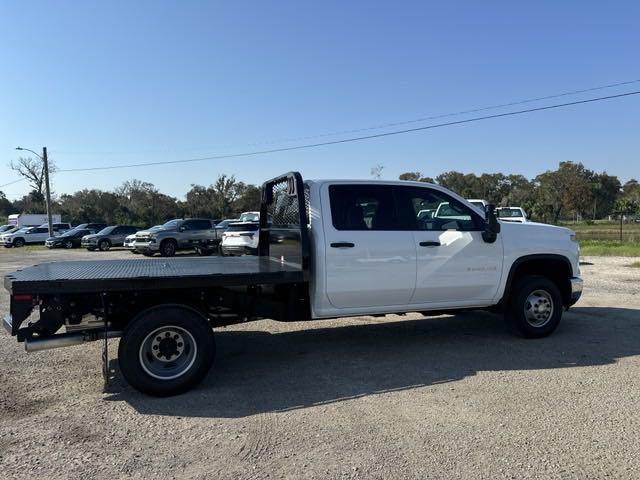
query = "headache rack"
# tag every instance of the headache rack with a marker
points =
(284, 220)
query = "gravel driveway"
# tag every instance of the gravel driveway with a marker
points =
(395, 397)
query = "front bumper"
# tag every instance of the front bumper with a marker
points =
(577, 285)
(5, 241)
(85, 244)
(146, 246)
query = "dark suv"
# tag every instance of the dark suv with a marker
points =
(108, 237)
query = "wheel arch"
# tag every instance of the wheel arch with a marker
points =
(555, 267)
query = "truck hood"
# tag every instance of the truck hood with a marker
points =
(146, 233)
(537, 227)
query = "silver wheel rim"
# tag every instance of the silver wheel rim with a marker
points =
(68, 245)
(168, 352)
(538, 308)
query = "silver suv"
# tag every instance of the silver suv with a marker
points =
(176, 235)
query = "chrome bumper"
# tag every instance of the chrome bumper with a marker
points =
(576, 289)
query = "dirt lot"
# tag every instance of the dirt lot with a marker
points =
(401, 397)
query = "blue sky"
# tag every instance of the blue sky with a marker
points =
(109, 83)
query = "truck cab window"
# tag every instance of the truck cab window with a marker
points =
(430, 209)
(363, 207)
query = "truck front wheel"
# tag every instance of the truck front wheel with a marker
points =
(166, 350)
(168, 248)
(535, 308)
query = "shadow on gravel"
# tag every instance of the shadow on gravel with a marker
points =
(258, 372)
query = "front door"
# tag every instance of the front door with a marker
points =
(370, 261)
(454, 263)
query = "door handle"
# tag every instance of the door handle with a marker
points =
(429, 244)
(343, 245)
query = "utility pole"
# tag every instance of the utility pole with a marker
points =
(47, 190)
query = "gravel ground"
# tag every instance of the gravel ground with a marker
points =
(396, 397)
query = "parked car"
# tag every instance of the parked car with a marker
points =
(7, 229)
(70, 239)
(58, 228)
(24, 236)
(90, 226)
(176, 235)
(512, 214)
(108, 237)
(363, 252)
(241, 239)
(477, 202)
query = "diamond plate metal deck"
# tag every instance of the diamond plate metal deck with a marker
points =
(150, 273)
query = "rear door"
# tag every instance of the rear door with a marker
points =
(370, 260)
(37, 235)
(117, 235)
(454, 263)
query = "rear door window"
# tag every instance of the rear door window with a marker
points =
(363, 207)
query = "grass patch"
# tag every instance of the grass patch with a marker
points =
(26, 248)
(609, 248)
(635, 265)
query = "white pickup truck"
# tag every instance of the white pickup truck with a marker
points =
(331, 248)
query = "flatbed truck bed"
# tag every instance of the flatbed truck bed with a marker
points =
(73, 277)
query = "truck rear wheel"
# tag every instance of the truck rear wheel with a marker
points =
(535, 308)
(166, 350)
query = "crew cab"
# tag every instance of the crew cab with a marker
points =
(176, 235)
(327, 248)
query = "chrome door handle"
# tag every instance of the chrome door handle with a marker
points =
(429, 244)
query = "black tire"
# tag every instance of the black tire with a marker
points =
(104, 245)
(168, 248)
(147, 254)
(18, 242)
(68, 244)
(535, 308)
(137, 360)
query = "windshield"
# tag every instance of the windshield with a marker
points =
(6, 228)
(509, 212)
(250, 217)
(106, 230)
(171, 224)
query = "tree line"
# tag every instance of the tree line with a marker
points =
(140, 203)
(570, 192)
(567, 193)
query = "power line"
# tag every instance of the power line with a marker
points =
(415, 120)
(353, 139)
(11, 183)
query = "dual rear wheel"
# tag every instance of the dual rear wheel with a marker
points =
(166, 350)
